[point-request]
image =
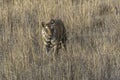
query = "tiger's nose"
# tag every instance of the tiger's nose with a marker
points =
(50, 37)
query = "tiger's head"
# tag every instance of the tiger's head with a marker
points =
(48, 28)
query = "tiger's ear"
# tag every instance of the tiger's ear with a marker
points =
(52, 21)
(43, 24)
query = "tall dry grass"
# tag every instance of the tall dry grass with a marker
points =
(93, 28)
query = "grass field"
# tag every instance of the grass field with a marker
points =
(93, 30)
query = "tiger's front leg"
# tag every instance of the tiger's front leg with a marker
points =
(56, 46)
(47, 49)
(55, 50)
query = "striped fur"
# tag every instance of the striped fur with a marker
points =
(54, 35)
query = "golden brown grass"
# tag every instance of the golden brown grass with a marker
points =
(93, 28)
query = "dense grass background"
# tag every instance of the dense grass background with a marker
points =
(93, 28)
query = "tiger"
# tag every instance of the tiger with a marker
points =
(54, 35)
